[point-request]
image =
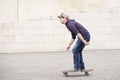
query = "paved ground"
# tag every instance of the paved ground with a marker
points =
(48, 66)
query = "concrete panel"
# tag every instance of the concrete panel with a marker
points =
(8, 10)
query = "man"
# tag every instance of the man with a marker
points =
(83, 35)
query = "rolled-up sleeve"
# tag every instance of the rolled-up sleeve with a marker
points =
(73, 36)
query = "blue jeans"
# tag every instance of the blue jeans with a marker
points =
(77, 52)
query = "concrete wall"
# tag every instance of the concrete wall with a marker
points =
(32, 26)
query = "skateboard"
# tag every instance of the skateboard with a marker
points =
(86, 71)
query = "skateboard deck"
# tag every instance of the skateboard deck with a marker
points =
(86, 71)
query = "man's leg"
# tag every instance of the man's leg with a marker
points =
(79, 50)
(82, 46)
(76, 55)
(81, 62)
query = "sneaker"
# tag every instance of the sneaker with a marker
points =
(74, 70)
(82, 70)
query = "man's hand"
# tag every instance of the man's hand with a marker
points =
(68, 48)
(70, 43)
(82, 39)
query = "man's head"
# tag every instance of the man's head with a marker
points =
(63, 18)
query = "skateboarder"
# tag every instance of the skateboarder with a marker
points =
(79, 31)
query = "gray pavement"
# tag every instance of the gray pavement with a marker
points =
(49, 65)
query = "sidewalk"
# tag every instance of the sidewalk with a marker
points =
(49, 66)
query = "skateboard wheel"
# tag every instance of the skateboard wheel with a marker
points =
(86, 74)
(65, 73)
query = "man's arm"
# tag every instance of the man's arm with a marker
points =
(70, 43)
(75, 32)
(82, 39)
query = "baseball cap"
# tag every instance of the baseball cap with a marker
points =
(62, 15)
